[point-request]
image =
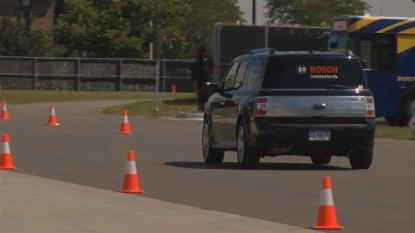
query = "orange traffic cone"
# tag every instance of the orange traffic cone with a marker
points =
(125, 126)
(131, 182)
(173, 88)
(52, 117)
(4, 112)
(327, 214)
(6, 161)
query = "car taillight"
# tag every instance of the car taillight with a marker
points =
(261, 107)
(370, 107)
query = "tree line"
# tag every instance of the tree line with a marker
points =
(125, 28)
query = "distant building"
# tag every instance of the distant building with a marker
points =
(33, 14)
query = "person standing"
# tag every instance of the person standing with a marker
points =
(202, 71)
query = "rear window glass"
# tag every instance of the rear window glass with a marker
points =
(314, 72)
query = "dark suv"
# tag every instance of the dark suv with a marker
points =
(303, 103)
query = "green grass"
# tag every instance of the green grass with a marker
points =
(383, 130)
(169, 105)
(24, 97)
(167, 108)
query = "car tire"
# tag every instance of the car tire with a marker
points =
(320, 159)
(245, 154)
(361, 158)
(405, 114)
(410, 107)
(210, 155)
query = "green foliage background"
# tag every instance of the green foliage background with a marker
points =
(14, 41)
(121, 28)
(312, 12)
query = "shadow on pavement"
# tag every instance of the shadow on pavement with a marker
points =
(262, 166)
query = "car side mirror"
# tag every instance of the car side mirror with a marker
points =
(211, 88)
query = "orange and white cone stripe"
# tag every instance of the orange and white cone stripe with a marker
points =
(125, 118)
(326, 197)
(4, 113)
(131, 182)
(130, 168)
(52, 121)
(326, 219)
(125, 126)
(6, 161)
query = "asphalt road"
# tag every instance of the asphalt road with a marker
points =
(86, 149)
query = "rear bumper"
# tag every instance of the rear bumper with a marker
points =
(294, 139)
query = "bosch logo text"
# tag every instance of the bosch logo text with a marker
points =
(323, 70)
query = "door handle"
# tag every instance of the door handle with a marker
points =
(237, 101)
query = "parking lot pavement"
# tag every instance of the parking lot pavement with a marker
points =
(33, 204)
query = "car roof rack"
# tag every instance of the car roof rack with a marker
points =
(263, 50)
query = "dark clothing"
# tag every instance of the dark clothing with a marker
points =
(201, 96)
(201, 73)
(202, 68)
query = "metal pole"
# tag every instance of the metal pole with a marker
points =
(156, 107)
(26, 14)
(163, 76)
(151, 43)
(35, 72)
(266, 36)
(78, 74)
(119, 73)
(253, 12)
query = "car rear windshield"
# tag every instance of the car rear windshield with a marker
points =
(313, 71)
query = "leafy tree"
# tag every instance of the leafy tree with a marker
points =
(115, 28)
(167, 17)
(15, 41)
(205, 13)
(312, 12)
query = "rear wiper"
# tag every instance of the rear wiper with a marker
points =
(340, 87)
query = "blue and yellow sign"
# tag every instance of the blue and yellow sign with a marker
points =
(387, 25)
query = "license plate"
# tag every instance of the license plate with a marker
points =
(319, 135)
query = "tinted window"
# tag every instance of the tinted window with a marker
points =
(378, 50)
(314, 72)
(230, 76)
(253, 80)
(240, 75)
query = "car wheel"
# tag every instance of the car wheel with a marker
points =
(210, 155)
(410, 106)
(321, 159)
(361, 159)
(245, 154)
(406, 113)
